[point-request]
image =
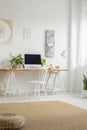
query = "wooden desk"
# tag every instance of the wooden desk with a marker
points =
(56, 72)
(9, 78)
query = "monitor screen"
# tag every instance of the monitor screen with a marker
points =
(32, 59)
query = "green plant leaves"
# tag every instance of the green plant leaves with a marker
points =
(85, 82)
(43, 62)
(17, 60)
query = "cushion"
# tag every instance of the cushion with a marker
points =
(9, 121)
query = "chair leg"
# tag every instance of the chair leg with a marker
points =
(27, 93)
(38, 90)
(35, 90)
(43, 88)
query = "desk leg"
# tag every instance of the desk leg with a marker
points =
(10, 81)
(47, 80)
(55, 74)
(54, 82)
(3, 82)
(62, 85)
(61, 82)
(15, 82)
(7, 82)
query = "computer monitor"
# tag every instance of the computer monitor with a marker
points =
(32, 59)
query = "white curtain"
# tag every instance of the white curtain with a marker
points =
(78, 44)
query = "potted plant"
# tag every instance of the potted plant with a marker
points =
(43, 62)
(17, 61)
(84, 91)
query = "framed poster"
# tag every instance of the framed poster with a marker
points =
(6, 31)
(27, 33)
(50, 43)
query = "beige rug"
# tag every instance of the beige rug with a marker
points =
(48, 115)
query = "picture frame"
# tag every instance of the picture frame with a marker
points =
(50, 43)
(6, 31)
(27, 33)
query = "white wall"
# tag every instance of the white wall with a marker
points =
(39, 15)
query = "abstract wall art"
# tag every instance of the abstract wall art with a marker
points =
(50, 43)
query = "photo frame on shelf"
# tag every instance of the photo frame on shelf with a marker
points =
(50, 43)
(6, 31)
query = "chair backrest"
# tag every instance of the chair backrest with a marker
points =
(43, 74)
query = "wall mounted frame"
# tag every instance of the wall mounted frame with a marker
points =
(6, 31)
(27, 33)
(50, 43)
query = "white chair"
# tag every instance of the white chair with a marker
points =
(39, 83)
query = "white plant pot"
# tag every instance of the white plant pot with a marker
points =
(84, 93)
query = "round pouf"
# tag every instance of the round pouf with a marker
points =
(10, 121)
